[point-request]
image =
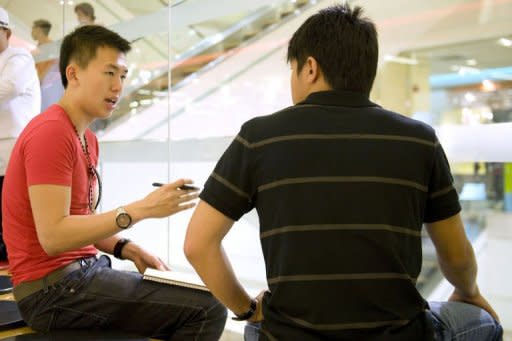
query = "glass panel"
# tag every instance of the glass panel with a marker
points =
(127, 168)
(211, 102)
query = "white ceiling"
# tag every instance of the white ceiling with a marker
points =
(438, 31)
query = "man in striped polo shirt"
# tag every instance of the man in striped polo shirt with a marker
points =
(342, 188)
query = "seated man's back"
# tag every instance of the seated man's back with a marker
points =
(341, 204)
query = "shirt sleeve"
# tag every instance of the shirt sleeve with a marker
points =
(14, 77)
(443, 200)
(230, 188)
(49, 155)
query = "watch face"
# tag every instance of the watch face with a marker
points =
(123, 220)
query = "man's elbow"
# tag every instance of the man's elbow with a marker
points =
(50, 249)
(192, 250)
(50, 245)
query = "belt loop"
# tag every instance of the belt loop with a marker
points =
(45, 284)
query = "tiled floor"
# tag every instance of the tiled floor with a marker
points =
(495, 269)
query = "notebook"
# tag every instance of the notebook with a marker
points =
(188, 280)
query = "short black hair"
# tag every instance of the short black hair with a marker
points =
(343, 43)
(44, 25)
(87, 9)
(81, 45)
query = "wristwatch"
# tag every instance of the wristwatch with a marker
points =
(248, 314)
(123, 219)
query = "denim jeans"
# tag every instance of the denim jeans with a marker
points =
(98, 297)
(451, 321)
(461, 321)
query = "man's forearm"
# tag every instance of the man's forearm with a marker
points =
(462, 275)
(214, 268)
(107, 245)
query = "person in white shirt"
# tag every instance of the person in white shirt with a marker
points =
(20, 98)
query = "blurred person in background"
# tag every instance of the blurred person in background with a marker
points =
(20, 99)
(41, 31)
(47, 68)
(85, 14)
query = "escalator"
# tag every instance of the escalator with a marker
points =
(202, 34)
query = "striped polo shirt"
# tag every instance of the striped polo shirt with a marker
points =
(341, 187)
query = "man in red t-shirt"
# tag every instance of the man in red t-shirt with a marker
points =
(52, 232)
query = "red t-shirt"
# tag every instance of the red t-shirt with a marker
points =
(48, 151)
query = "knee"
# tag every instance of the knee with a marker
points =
(218, 312)
(216, 319)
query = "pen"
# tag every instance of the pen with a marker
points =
(183, 188)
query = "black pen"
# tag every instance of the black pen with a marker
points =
(183, 188)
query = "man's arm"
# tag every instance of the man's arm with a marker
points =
(58, 231)
(132, 251)
(457, 260)
(203, 248)
(15, 75)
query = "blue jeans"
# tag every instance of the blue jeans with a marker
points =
(461, 321)
(98, 297)
(451, 321)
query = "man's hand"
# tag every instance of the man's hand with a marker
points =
(166, 200)
(142, 258)
(477, 300)
(258, 315)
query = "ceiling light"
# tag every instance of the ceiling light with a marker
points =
(488, 85)
(145, 102)
(487, 114)
(462, 70)
(505, 42)
(400, 60)
(468, 96)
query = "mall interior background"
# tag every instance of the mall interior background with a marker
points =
(200, 68)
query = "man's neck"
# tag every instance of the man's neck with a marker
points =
(78, 117)
(44, 40)
(319, 86)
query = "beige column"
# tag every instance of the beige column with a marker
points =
(402, 88)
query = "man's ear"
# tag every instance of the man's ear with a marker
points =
(72, 73)
(313, 71)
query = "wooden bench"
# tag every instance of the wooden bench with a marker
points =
(17, 329)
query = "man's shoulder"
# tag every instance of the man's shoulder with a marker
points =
(50, 121)
(405, 124)
(16, 51)
(272, 119)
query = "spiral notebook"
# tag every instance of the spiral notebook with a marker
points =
(182, 279)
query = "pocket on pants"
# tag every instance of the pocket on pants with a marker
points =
(65, 318)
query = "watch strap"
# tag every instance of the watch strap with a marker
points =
(248, 314)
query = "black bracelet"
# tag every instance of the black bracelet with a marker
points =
(248, 314)
(118, 248)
